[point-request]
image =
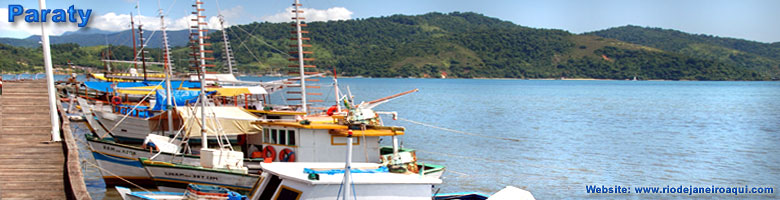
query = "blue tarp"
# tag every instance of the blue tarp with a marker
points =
(181, 97)
(106, 86)
(381, 169)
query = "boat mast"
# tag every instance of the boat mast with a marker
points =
(168, 72)
(300, 52)
(225, 41)
(143, 49)
(135, 52)
(199, 18)
(336, 90)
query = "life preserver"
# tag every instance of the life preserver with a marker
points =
(269, 152)
(331, 110)
(116, 100)
(287, 155)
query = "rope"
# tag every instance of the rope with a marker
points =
(461, 132)
(131, 110)
(269, 45)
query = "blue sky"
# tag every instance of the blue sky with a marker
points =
(747, 19)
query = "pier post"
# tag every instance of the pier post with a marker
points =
(55, 121)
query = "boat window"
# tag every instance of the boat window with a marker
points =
(270, 188)
(291, 137)
(282, 137)
(288, 193)
(273, 137)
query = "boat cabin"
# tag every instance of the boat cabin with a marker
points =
(316, 141)
(300, 180)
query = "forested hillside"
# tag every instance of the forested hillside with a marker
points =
(761, 57)
(467, 45)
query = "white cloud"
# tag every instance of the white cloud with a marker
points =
(33, 28)
(335, 13)
(112, 22)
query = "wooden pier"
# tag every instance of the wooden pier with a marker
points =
(31, 166)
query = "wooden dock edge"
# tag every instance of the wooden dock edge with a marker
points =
(75, 187)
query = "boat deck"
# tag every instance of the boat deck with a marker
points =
(31, 167)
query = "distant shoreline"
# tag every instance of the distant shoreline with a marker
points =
(478, 78)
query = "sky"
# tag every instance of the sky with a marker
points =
(745, 19)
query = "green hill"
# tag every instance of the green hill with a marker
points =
(468, 45)
(760, 57)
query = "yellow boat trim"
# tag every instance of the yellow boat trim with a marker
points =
(339, 130)
(158, 163)
(299, 125)
(271, 112)
(368, 132)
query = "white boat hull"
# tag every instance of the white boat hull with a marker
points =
(122, 161)
(131, 129)
(175, 178)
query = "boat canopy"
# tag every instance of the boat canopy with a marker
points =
(107, 86)
(232, 120)
(220, 91)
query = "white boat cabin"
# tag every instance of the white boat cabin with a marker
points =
(290, 141)
(288, 181)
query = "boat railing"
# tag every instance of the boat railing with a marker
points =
(140, 111)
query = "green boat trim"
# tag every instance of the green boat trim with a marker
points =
(147, 162)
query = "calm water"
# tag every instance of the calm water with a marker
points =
(568, 134)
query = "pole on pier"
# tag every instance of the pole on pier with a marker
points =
(55, 120)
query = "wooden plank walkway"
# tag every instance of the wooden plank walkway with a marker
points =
(31, 167)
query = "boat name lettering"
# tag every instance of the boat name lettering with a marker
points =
(195, 176)
(122, 151)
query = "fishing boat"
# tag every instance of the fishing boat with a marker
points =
(121, 160)
(193, 191)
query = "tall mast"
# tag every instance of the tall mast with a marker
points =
(225, 41)
(135, 52)
(200, 19)
(168, 73)
(300, 58)
(143, 49)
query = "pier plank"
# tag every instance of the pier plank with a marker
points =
(31, 167)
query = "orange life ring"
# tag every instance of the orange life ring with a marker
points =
(287, 155)
(271, 150)
(116, 100)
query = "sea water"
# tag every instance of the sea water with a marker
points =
(555, 137)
